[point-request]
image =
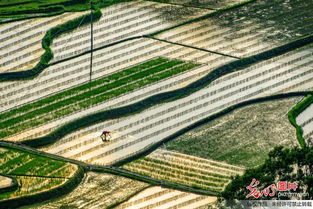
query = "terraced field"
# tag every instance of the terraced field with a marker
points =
(88, 95)
(242, 32)
(21, 41)
(122, 21)
(305, 120)
(157, 69)
(135, 133)
(34, 174)
(239, 138)
(158, 197)
(185, 169)
(34, 92)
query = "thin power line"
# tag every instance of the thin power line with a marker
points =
(91, 41)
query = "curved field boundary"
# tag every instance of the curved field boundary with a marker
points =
(10, 188)
(54, 9)
(85, 19)
(46, 42)
(96, 92)
(294, 112)
(165, 97)
(111, 170)
(68, 186)
(121, 172)
(53, 193)
(114, 205)
(208, 119)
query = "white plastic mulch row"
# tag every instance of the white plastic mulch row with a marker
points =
(145, 49)
(195, 162)
(75, 71)
(158, 197)
(137, 132)
(177, 166)
(21, 41)
(5, 182)
(119, 22)
(305, 120)
(244, 36)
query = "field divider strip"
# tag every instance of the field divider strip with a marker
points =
(294, 112)
(168, 96)
(193, 47)
(37, 176)
(110, 169)
(77, 91)
(118, 171)
(95, 49)
(183, 5)
(47, 40)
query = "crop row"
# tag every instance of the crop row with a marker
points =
(141, 18)
(169, 118)
(14, 162)
(36, 176)
(93, 96)
(24, 50)
(74, 72)
(83, 33)
(179, 158)
(305, 121)
(178, 176)
(82, 88)
(166, 166)
(166, 198)
(297, 21)
(213, 61)
(73, 140)
(32, 185)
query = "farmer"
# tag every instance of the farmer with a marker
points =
(105, 135)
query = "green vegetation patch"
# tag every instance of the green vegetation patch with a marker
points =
(34, 173)
(243, 137)
(86, 95)
(282, 164)
(16, 162)
(23, 9)
(209, 178)
(294, 112)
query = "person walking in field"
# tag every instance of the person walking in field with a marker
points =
(105, 136)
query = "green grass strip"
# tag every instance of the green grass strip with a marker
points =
(167, 96)
(105, 92)
(28, 166)
(294, 112)
(76, 90)
(78, 97)
(4, 168)
(35, 165)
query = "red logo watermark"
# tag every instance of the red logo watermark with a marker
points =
(281, 186)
